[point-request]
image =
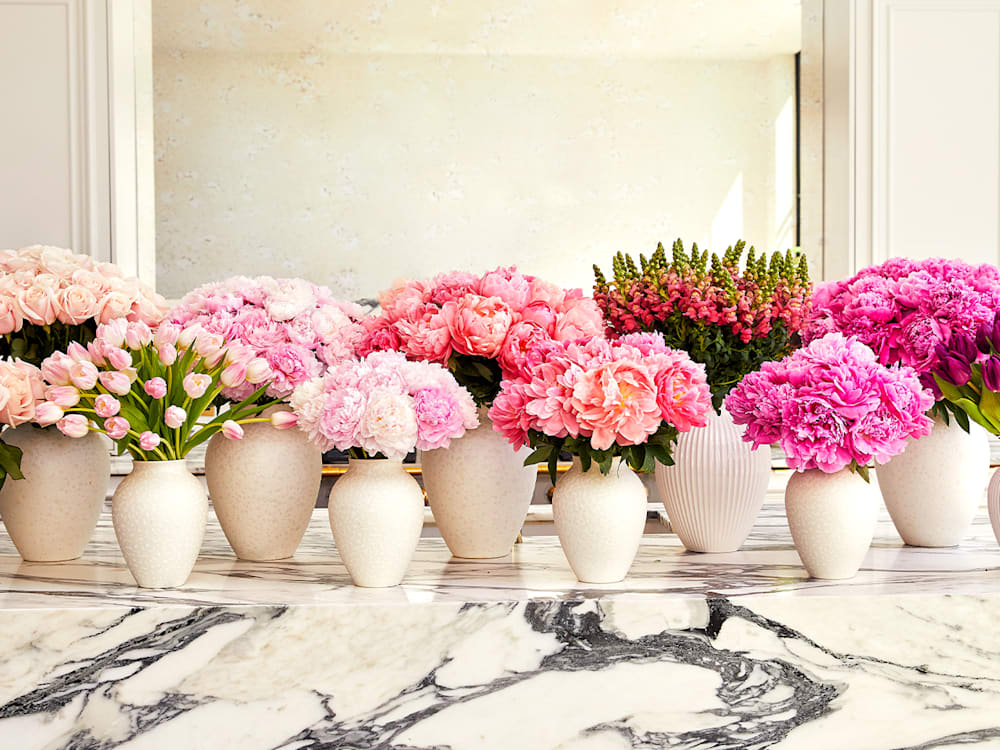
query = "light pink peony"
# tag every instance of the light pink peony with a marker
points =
(616, 403)
(478, 325)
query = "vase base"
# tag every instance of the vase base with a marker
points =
(476, 558)
(51, 560)
(264, 558)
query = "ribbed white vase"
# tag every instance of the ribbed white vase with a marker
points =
(159, 513)
(933, 489)
(479, 491)
(716, 487)
(600, 519)
(51, 513)
(832, 519)
(376, 515)
(993, 501)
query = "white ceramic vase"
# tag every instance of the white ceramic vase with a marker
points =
(51, 513)
(993, 502)
(832, 519)
(263, 488)
(600, 519)
(479, 491)
(716, 487)
(376, 514)
(159, 512)
(933, 489)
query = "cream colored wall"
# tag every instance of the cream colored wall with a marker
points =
(353, 169)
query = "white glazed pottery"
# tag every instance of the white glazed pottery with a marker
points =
(263, 488)
(599, 519)
(933, 489)
(159, 513)
(479, 491)
(716, 487)
(993, 500)
(376, 514)
(51, 513)
(832, 519)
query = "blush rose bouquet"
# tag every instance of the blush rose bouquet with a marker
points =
(297, 328)
(480, 327)
(146, 389)
(832, 405)
(599, 399)
(383, 406)
(50, 297)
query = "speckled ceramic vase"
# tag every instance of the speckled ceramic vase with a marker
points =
(716, 487)
(599, 519)
(376, 514)
(159, 512)
(933, 489)
(832, 519)
(993, 502)
(51, 513)
(479, 491)
(263, 489)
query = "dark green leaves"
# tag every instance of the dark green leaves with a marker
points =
(480, 376)
(10, 462)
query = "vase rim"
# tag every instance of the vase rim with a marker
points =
(139, 462)
(351, 460)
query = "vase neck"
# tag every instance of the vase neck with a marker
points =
(616, 464)
(160, 467)
(374, 465)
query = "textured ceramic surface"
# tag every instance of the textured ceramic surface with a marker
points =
(51, 513)
(832, 519)
(933, 488)
(479, 491)
(599, 519)
(716, 487)
(993, 501)
(376, 514)
(263, 489)
(159, 513)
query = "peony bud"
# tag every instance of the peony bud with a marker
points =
(118, 358)
(167, 354)
(73, 425)
(148, 440)
(116, 382)
(107, 406)
(284, 419)
(63, 396)
(174, 417)
(234, 375)
(48, 412)
(196, 384)
(258, 371)
(83, 375)
(155, 387)
(232, 430)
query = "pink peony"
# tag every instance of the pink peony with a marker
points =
(507, 284)
(478, 324)
(388, 424)
(581, 319)
(438, 418)
(616, 403)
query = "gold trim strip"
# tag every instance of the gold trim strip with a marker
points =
(339, 470)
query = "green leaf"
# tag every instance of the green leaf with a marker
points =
(538, 456)
(553, 465)
(10, 462)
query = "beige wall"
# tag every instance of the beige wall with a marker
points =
(354, 168)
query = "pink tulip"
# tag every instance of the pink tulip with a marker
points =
(196, 384)
(188, 335)
(166, 333)
(107, 406)
(148, 440)
(234, 375)
(73, 425)
(118, 358)
(138, 335)
(167, 354)
(77, 352)
(258, 371)
(232, 430)
(116, 427)
(155, 387)
(208, 344)
(83, 375)
(214, 357)
(116, 382)
(55, 369)
(48, 412)
(284, 419)
(63, 396)
(96, 351)
(113, 332)
(174, 417)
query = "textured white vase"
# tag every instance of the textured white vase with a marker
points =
(479, 491)
(832, 519)
(933, 489)
(376, 514)
(51, 513)
(159, 513)
(599, 519)
(716, 487)
(993, 501)
(263, 488)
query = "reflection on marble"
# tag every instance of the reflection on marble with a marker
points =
(693, 651)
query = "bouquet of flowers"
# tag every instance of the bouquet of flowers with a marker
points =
(146, 389)
(50, 297)
(729, 321)
(21, 401)
(832, 405)
(967, 374)
(598, 399)
(480, 327)
(383, 406)
(296, 327)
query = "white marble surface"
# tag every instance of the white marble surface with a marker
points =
(692, 651)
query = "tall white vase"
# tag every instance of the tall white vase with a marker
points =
(716, 487)
(993, 501)
(159, 513)
(600, 519)
(376, 514)
(933, 489)
(51, 513)
(263, 489)
(832, 519)
(479, 491)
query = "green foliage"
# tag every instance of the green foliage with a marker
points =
(10, 462)
(34, 343)
(481, 376)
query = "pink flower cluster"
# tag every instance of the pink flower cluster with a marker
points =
(903, 309)
(43, 285)
(298, 328)
(21, 394)
(384, 404)
(612, 392)
(500, 315)
(832, 405)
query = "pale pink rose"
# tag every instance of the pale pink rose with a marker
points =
(48, 412)
(581, 319)
(55, 369)
(149, 308)
(63, 396)
(174, 417)
(38, 305)
(616, 403)
(107, 406)
(284, 419)
(117, 427)
(77, 304)
(47, 281)
(232, 430)
(196, 384)
(148, 440)
(155, 387)
(73, 425)
(10, 315)
(478, 325)
(116, 382)
(82, 374)
(93, 282)
(114, 306)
